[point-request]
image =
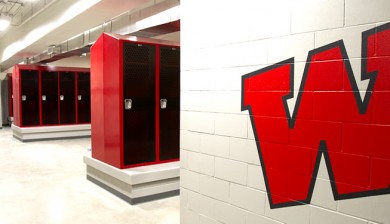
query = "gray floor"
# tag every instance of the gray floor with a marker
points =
(45, 182)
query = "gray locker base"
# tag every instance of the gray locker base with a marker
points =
(51, 132)
(135, 185)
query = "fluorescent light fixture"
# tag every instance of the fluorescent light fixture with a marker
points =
(5, 21)
(159, 18)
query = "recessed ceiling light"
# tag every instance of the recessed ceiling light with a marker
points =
(5, 21)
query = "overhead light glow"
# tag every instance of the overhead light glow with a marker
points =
(39, 32)
(5, 21)
(159, 18)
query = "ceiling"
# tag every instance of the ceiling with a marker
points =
(57, 22)
(20, 11)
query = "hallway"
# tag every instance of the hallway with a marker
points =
(45, 182)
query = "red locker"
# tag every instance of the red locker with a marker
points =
(10, 96)
(45, 95)
(83, 98)
(135, 102)
(49, 91)
(25, 82)
(67, 97)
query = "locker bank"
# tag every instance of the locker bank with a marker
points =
(169, 111)
(45, 99)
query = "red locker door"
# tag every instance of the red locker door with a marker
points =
(10, 96)
(83, 97)
(67, 98)
(169, 103)
(49, 97)
(29, 97)
(139, 106)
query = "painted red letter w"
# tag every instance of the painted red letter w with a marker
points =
(330, 118)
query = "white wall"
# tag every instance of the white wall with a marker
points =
(75, 61)
(221, 175)
(1, 109)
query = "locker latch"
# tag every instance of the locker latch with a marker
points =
(79, 97)
(163, 103)
(43, 97)
(128, 103)
(62, 97)
(24, 97)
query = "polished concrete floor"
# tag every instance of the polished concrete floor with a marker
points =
(45, 182)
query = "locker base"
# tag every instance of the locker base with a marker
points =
(10, 121)
(135, 185)
(51, 132)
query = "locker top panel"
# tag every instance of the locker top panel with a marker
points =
(51, 68)
(141, 40)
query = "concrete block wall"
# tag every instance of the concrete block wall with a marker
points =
(222, 179)
(1, 103)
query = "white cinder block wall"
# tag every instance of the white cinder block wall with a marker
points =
(221, 176)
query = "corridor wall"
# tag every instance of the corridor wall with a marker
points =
(1, 106)
(285, 112)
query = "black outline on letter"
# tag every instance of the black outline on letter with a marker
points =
(322, 148)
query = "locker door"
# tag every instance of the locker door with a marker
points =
(10, 97)
(139, 106)
(67, 98)
(170, 96)
(49, 97)
(30, 97)
(83, 97)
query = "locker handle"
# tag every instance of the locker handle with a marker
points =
(43, 97)
(128, 104)
(62, 97)
(163, 103)
(79, 97)
(24, 97)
